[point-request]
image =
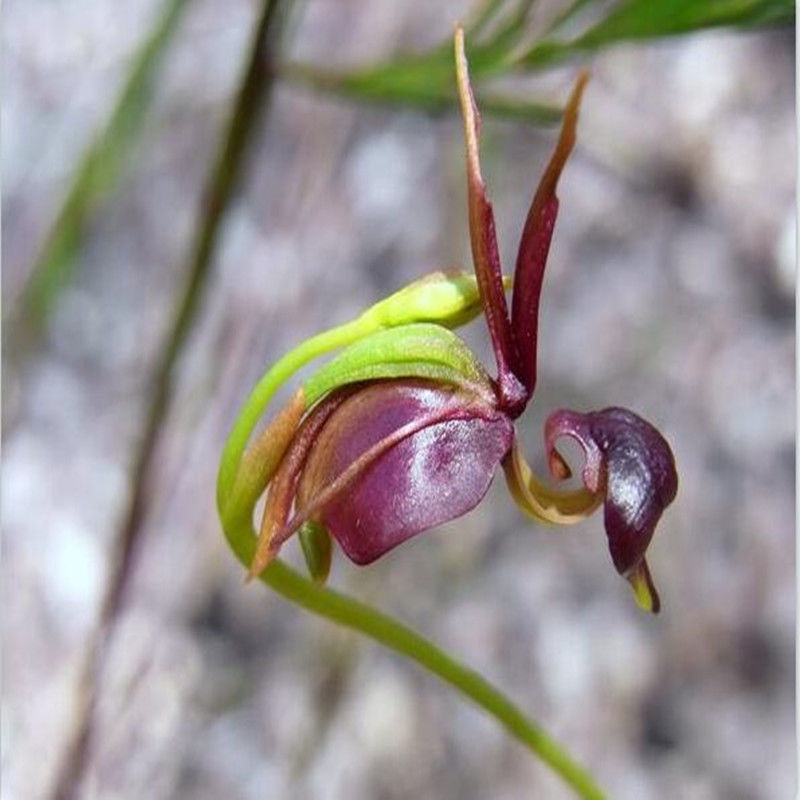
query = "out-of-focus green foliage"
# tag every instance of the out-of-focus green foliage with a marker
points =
(647, 19)
(425, 81)
(501, 42)
(102, 166)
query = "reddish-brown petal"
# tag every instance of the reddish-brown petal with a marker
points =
(485, 254)
(262, 458)
(534, 245)
(279, 501)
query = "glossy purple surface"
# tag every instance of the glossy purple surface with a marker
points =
(528, 279)
(628, 458)
(427, 478)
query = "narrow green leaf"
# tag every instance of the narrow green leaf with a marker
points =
(642, 19)
(634, 20)
(102, 166)
(425, 81)
(426, 86)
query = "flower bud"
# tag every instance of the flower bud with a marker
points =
(446, 298)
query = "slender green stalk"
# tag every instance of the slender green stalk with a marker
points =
(264, 391)
(396, 636)
(226, 175)
(360, 617)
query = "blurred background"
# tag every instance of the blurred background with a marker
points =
(670, 289)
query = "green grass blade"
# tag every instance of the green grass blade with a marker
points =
(252, 98)
(425, 81)
(643, 19)
(636, 20)
(426, 86)
(102, 166)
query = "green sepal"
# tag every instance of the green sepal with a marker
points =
(315, 541)
(421, 350)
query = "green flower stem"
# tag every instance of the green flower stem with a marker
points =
(396, 636)
(360, 617)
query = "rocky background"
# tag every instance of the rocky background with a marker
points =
(670, 289)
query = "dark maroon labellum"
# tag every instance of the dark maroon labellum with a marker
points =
(436, 473)
(629, 461)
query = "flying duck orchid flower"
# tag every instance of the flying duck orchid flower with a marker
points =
(404, 429)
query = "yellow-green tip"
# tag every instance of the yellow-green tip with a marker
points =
(644, 590)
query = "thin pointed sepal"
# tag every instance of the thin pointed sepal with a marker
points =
(262, 458)
(280, 497)
(534, 245)
(483, 240)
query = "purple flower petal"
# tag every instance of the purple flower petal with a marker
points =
(435, 474)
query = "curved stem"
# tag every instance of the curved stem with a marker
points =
(351, 613)
(446, 299)
(389, 632)
(264, 391)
